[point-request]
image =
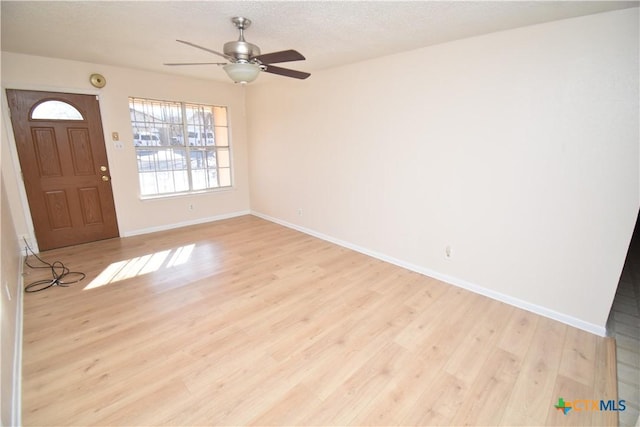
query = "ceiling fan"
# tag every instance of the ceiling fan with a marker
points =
(245, 59)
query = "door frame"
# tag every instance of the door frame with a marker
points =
(30, 235)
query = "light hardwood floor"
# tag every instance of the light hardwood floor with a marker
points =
(243, 321)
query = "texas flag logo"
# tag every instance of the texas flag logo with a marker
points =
(563, 406)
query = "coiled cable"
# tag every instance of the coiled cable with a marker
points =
(61, 275)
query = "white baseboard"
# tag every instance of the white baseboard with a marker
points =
(16, 398)
(508, 299)
(185, 223)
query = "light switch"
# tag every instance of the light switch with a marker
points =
(115, 136)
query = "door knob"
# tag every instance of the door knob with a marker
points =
(103, 168)
(105, 178)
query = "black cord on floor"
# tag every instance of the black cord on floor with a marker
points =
(58, 272)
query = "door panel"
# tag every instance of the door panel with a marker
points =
(58, 210)
(80, 145)
(46, 152)
(90, 204)
(70, 197)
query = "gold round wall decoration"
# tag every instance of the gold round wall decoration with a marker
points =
(98, 80)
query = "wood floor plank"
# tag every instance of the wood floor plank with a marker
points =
(519, 332)
(439, 403)
(606, 383)
(289, 409)
(243, 321)
(571, 390)
(532, 395)
(490, 390)
(356, 392)
(579, 357)
(467, 362)
(402, 394)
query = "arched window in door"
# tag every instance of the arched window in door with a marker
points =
(56, 110)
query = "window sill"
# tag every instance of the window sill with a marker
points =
(186, 194)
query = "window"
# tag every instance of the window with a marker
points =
(56, 110)
(180, 147)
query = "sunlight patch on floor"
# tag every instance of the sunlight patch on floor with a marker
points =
(138, 266)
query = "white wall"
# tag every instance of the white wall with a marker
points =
(518, 149)
(134, 215)
(11, 315)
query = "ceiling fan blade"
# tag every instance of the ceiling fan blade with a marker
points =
(286, 72)
(207, 49)
(194, 63)
(282, 56)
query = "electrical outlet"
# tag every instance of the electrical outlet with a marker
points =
(299, 211)
(448, 252)
(191, 207)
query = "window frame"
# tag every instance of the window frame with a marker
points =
(222, 169)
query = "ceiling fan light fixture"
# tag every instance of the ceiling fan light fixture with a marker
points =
(242, 72)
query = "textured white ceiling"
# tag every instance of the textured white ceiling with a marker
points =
(141, 34)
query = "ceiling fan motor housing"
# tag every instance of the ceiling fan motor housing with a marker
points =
(241, 50)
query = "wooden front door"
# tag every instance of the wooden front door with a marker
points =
(64, 167)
